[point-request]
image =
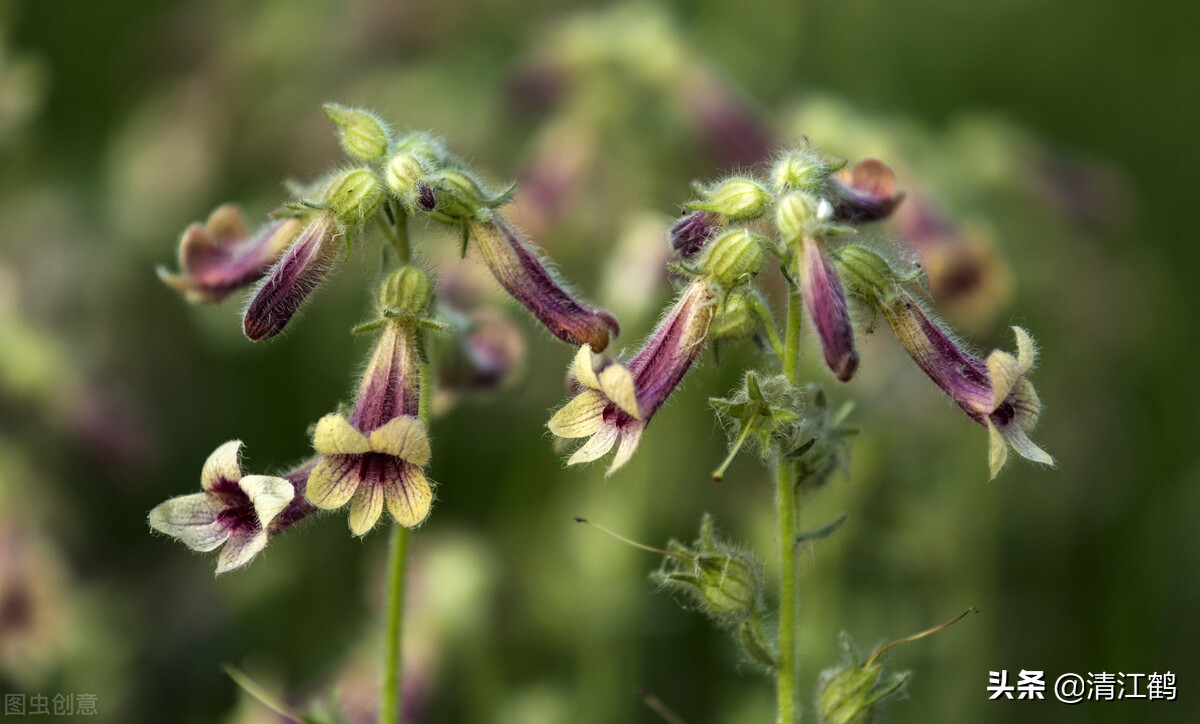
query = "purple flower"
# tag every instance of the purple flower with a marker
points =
(297, 273)
(866, 193)
(220, 257)
(485, 355)
(239, 512)
(692, 231)
(619, 400)
(826, 303)
(378, 453)
(522, 274)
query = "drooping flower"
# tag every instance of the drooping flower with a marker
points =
(865, 193)
(220, 257)
(826, 302)
(523, 275)
(297, 273)
(241, 512)
(994, 391)
(378, 452)
(619, 400)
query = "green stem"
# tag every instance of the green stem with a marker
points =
(787, 512)
(390, 699)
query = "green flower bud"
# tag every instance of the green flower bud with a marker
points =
(725, 582)
(733, 258)
(802, 170)
(850, 695)
(796, 214)
(363, 135)
(354, 195)
(866, 272)
(430, 151)
(736, 199)
(403, 173)
(408, 290)
(736, 318)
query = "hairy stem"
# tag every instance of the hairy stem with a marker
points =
(390, 698)
(787, 511)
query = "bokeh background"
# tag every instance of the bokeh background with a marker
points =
(1053, 142)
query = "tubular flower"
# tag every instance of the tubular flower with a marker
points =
(377, 454)
(826, 302)
(865, 193)
(620, 400)
(220, 257)
(297, 273)
(519, 270)
(241, 512)
(994, 391)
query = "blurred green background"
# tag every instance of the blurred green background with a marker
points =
(1062, 132)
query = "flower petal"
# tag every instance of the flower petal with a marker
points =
(1026, 351)
(617, 383)
(596, 447)
(334, 435)
(826, 302)
(222, 464)
(269, 494)
(1004, 371)
(366, 507)
(1019, 441)
(403, 437)
(333, 481)
(1027, 408)
(580, 417)
(997, 450)
(192, 519)
(583, 368)
(240, 550)
(630, 436)
(409, 496)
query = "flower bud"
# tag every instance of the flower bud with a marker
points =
(363, 135)
(726, 583)
(736, 318)
(430, 151)
(802, 170)
(408, 290)
(795, 215)
(733, 258)
(354, 195)
(736, 199)
(691, 232)
(453, 196)
(403, 174)
(851, 694)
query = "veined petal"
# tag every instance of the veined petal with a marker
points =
(366, 507)
(192, 519)
(631, 434)
(334, 435)
(580, 417)
(333, 481)
(1026, 405)
(409, 496)
(269, 494)
(583, 368)
(240, 550)
(616, 381)
(222, 464)
(596, 447)
(1019, 441)
(403, 437)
